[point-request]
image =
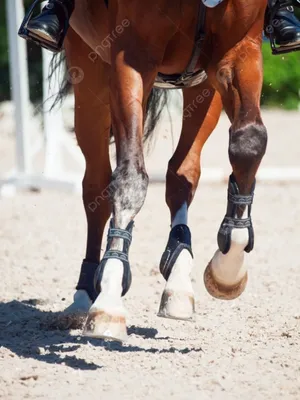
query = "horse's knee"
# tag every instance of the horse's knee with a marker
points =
(181, 183)
(247, 145)
(129, 186)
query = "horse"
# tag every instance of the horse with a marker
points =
(123, 56)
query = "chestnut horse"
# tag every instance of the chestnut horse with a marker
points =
(117, 51)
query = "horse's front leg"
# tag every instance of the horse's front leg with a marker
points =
(132, 79)
(202, 108)
(239, 81)
(92, 126)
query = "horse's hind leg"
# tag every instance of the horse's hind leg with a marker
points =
(92, 127)
(202, 108)
(240, 86)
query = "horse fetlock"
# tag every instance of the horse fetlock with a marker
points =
(179, 239)
(177, 300)
(86, 279)
(243, 235)
(113, 275)
(180, 275)
(81, 303)
(238, 219)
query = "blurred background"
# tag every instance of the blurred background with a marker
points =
(240, 349)
(280, 104)
(281, 75)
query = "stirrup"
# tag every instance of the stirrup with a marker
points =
(274, 6)
(26, 34)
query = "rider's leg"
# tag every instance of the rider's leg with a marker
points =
(285, 27)
(49, 28)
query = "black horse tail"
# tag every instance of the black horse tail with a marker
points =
(157, 100)
(58, 62)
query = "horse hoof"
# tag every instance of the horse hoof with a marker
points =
(74, 316)
(177, 305)
(81, 303)
(102, 325)
(221, 291)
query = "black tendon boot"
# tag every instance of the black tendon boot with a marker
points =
(49, 28)
(282, 27)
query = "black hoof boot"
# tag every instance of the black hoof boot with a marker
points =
(50, 27)
(177, 301)
(232, 221)
(283, 29)
(126, 235)
(179, 239)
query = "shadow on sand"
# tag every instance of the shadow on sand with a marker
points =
(30, 332)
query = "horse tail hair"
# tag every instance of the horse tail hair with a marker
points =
(157, 100)
(58, 62)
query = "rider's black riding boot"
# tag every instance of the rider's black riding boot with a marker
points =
(285, 27)
(49, 28)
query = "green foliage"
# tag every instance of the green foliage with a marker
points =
(4, 83)
(34, 62)
(281, 79)
(281, 73)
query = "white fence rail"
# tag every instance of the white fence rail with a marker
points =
(56, 138)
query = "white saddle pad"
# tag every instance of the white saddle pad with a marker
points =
(211, 3)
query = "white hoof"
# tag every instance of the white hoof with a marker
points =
(107, 316)
(106, 319)
(220, 290)
(226, 275)
(81, 303)
(74, 316)
(177, 305)
(177, 300)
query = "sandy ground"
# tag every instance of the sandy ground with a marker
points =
(243, 349)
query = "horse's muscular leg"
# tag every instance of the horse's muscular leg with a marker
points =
(240, 86)
(134, 68)
(202, 108)
(92, 126)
